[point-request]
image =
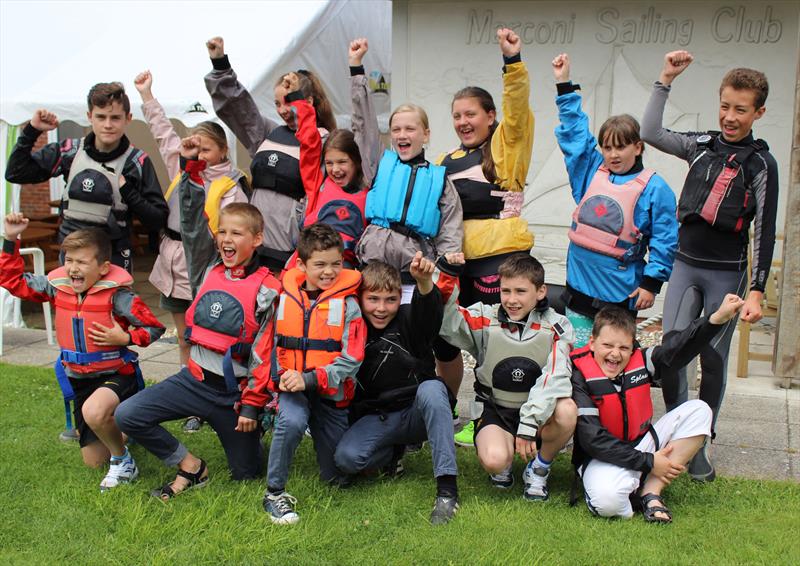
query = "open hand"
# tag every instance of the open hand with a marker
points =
(510, 43)
(664, 468)
(14, 225)
(109, 336)
(561, 68)
(216, 47)
(358, 48)
(44, 120)
(644, 299)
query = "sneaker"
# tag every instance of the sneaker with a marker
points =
(68, 435)
(503, 480)
(281, 508)
(192, 424)
(700, 467)
(535, 480)
(466, 436)
(444, 508)
(119, 471)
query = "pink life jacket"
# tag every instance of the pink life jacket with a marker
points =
(342, 211)
(603, 220)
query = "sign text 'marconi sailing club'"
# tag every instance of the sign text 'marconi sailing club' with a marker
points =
(736, 24)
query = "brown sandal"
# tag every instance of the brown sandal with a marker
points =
(165, 492)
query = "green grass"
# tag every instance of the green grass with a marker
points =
(53, 512)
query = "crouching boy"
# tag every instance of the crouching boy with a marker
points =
(522, 373)
(97, 317)
(618, 451)
(399, 399)
(319, 347)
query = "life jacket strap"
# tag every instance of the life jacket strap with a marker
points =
(306, 344)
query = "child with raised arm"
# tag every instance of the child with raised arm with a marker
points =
(625, 212)
(230, 329)
(399, 399)
(521, 347)
(619, 452)
(319, 341)
(97, 317)
(108, 181)
(732, 183)
(223, 185)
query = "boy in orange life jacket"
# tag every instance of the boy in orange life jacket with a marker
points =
(229, 327)
(97, 315)
(618, 451)
(320, 339)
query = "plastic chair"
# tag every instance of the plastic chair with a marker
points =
(38, 269)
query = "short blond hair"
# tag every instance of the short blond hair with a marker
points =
(247, 212)
(409, 107)
(379, 276)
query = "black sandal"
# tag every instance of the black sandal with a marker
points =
(165, 492)
(650, 512)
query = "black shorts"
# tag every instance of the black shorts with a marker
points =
(507, 419)
(123, 386)
(443, 351)
(173, 305)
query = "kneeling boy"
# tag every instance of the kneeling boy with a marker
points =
(97, 317)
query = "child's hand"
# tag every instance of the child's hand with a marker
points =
(245, 425)
(291, 82)
(143, 83)
(455, 258)
(561, 68)
(190, 147)
(216, 47)
(292, 381)
(644, 299)
(751, 311)
(421, 270)
(525, 448)
(664, 468)
(510, 43)
(731, 305)
(14, 225)
(44, 120)
(675, 62)
(358, 48)
(109, 336)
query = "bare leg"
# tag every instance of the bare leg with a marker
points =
(682, 451)
(495, 448)
(558, 429)
(191, 464)
(98, 412)
(179, 318)
(95, 455)
(452, 373)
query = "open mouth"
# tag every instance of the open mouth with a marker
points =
(403, 146)
(612, 365)
(77, 281)
(228, 252)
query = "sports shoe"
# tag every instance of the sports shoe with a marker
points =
(503, 480)
(535, 480)
(444, 508)
(466, 436)
(192, 424)
(68, 435)
(456, 416)
(281, 508)
(119, 471)
(700, 467)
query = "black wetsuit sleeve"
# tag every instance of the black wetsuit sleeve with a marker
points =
(765, 189)
(27, 166)
(425, 321)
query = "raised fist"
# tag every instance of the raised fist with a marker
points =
(358, 48)
(675, 62)
(510, 43)
(143, 83)
(44, 120)
(190, 147)
(561, 68)
(216, 47)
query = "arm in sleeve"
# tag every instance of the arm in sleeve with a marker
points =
(653, 131)
(256, 394)
(169, 142)
(663, 238)
(552, 385)
(364, 123)
(142, 193)
(451, 226)
(310, 148)
(28, 166)
(198, 241)
(26, 286)
(235, 106)
(463, 327)
(425, 321)
(577, 143)
(512, 142)
(765, 187)
(595, 439)
(136, 318)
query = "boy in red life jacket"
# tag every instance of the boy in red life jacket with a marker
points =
(229, 327)
(619, 452)
(97, 317)
(319, 346)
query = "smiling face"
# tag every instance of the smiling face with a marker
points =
(620, 158)
(108, 124)
(409, 134)
(737, 112)
(339, 167)
(283, 108)
(83, 268)
(210, 151)
(236, 241)
(471, 121)
(380, 307)
(612, 349)
(321, 269)
(519, 296)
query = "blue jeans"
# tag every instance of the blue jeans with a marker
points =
(296, 411)
(369, 443)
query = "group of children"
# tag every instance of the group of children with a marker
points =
(276, 325)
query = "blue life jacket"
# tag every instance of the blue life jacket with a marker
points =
(406, 195)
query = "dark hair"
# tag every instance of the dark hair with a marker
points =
(318, 238)
(345, 141)
(747, 79)
(89, 238)
(311, 86)
(380, 276)
(103, 94)
(247, 212)
(522, 265)
(620, 131)
(487, 103)
(616, 317)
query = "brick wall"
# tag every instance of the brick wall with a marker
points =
(35, 199)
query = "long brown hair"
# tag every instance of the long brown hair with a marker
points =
(345, 141)
(311, 86)
(487, 103)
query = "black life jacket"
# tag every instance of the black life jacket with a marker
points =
(276, 164)
(479, 198)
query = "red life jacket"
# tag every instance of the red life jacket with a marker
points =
(342, 211)
(76, 314)
(627, 413)
(603, 220)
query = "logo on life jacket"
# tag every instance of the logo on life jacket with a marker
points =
(342, 213)
(517, 375)
(272, 160)
(215, 310)
(88, 185)
(600, 210)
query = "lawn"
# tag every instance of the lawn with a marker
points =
(53, 512)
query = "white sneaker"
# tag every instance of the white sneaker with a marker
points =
(119, 471)
(535, 480)
(503, 480)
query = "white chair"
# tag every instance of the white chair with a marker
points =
(38, 269)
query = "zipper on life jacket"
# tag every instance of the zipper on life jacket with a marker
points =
(409, 193)
(621, 394)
